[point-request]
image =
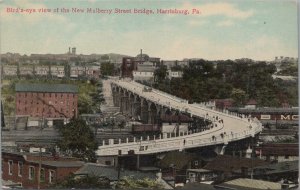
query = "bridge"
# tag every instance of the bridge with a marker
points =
(147, 104)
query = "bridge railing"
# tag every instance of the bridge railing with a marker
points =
(251, 125)
(168, 144)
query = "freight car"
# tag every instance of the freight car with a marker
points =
(146, 128)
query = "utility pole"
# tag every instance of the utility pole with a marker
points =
(40, 157)
(119, 164)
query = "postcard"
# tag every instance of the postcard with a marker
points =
(136, 94)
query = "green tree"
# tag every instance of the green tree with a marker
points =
(83, 182)
(78, 140)
(131, 183)
(160, 74)
(239, 96)
(85, 104)
(97, 97)
(107, 69)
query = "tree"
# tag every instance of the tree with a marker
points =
(83, 182)
(84, 104)
(78, 140)
(107, 69)
(131, 183)
(238, 96)
(97, 98)
(160, 74)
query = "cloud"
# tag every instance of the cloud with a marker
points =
(223, 9)
(194, 22)
(225, 23)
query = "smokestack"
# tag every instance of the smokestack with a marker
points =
(141, 55)
(69, 50)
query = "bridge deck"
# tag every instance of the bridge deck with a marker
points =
(226, 127)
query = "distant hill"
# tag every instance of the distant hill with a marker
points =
(116, 57)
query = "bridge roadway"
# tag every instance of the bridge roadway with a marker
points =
(226, 127)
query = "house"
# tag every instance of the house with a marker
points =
(57, 71)
(76, 71)
(26, 70)
(196, 186)
(223, 103)
(174, 63)
(226, 166)
(278, 171)
(175, 164)
(23, 169)
(247, 184)
(200, 175)
(92, 71)
(42, 70)
(46, 100)
(10, 70)
(251, 104)
(111, 173)
(144, 67)
(174, 74)
(143, 75)
(279, 152)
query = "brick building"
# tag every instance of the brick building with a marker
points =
(23, 169)
(46, 100)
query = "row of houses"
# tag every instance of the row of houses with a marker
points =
(142, 67)
(30, 170)
(57, 71)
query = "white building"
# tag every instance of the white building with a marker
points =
(174, 74)
(10, 70)
(42, 70)
(173, 63)
(143, 75)
(58, 71)
(92, 71)
(77, 71)
(26, 70)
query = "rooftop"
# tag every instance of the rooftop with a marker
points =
(265, 110)
(280, 167)
(178, 159)
(55, 88)
(229, 163)
(280, 149)
(60, 164)
(244, 183)
(111, 172)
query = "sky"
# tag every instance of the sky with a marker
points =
(231, 29)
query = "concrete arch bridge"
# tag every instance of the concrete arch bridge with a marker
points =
(148, 105)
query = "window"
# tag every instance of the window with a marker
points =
(196, 163)
(10, 167)
(108, 163)
(20, 168)
(51, 176)
(31, 172)
(42, 175)
(286, 157)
